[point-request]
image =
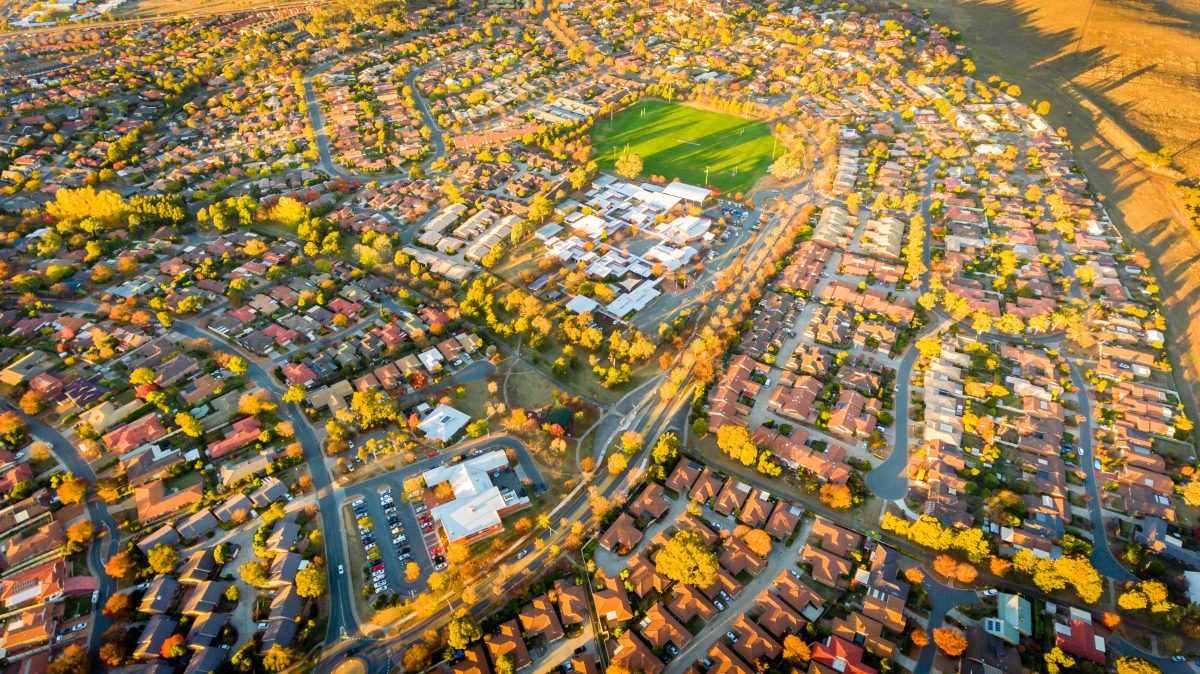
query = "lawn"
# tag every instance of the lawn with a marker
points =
(679, 142)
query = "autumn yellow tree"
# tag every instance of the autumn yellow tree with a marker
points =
(836, 496)
(945, 566)
(950, 641)
(795, 650)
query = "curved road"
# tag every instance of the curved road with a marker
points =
(108, 536)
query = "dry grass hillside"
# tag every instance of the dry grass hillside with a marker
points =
(1123, 76)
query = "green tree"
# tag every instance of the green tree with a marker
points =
(310, 581)
(162, 558)
(462, 630)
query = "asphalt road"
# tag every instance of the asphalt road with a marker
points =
(107, 541)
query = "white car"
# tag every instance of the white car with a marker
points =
(341, 570)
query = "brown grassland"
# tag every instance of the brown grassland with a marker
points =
(1123, 76)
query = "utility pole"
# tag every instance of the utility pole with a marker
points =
(706, 175)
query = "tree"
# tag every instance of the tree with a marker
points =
(914, 575)
(965, 573)
(162, 558)
(506, 664)
(1128, 664)
(32, 402)
(118, 607)
(294, 394)
(310, 581)
(81, 532)
(950, 641)
(795, 650)
(666, 449)
(617, 463)
(412, 572)
(72, 660)
(236, 365)
(945, 566)
(735, 441)
(114, 652)
(175, 646)
(685, 559)
(631, 442)
(142, 376)
(758, 541)
(190, 426)
(462, 630)
(836, 496)
(1191, 493)
(1156, 159)
(788, 166)
(121, 565)
(254, 573)
(999, 566)
(629, 165)
(1057, 660)
(920, 638)
(278, 658)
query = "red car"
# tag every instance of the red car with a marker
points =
(430, 455)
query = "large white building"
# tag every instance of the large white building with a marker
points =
(478, 503)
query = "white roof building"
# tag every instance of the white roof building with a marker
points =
(443, 423)
(581, 304)
(688, 192)
(477, 503)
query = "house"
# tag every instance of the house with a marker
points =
(284, 537)
(737, 558)
(270, 491)
(827, 568)
(987, 654)
(240, 434)
(783, 520)
(238, 503)
(651, 504)
(726, 661)
(198, 567)
(686, 603)
(443, 423)
(41, 583)
(660, 628)
(507, 640)
(157, 630)
(731, 497)
(1078, 637)
(572, 602)
(840, 656)
(754, 644)
(633, 653)
(1014, 618)
(612, 602)
(284, 567)
(684, 475)
(134, 434)
(160, 596)
(203, 598)
(539, 620)
(622, 536)
(777, 618)
(197, 525)
(473, 661)
(757, 509)
(206, 629)
(153, 502)
(644, 577)
(707, 486)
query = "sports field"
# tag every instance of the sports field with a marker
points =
(678, 142)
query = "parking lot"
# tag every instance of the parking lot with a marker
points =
(392, 516)
(394, 539)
